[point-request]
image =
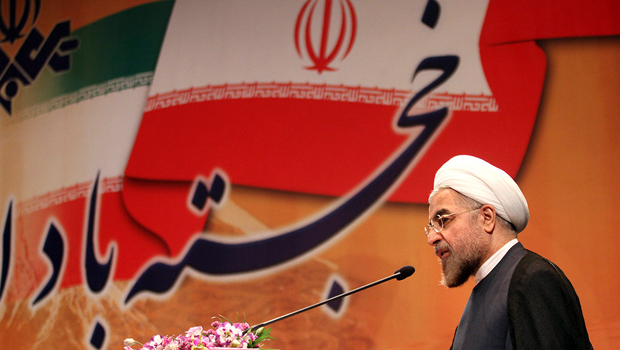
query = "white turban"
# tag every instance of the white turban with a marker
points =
(487, 184)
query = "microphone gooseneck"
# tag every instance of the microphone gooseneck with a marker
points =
(399, 274)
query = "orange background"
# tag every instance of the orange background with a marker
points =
(569, 176)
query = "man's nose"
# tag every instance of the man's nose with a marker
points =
(433, 237)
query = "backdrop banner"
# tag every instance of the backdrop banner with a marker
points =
(166, 162)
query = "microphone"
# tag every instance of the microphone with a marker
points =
(399, 274)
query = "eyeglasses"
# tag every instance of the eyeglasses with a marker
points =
(439, 221)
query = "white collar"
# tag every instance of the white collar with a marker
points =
(490, 264)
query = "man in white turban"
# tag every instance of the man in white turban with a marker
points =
(521, 300)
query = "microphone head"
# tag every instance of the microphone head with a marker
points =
(404, 272)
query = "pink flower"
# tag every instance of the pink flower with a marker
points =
(223, 334)
(156, 343)
(194, 331)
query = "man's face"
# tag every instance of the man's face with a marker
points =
(460, 244)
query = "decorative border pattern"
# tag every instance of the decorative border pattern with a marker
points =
(343, 93)
(67, 194)
(462, 102)
(86, 93)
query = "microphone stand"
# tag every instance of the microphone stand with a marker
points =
(396, 275)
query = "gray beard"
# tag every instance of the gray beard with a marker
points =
(457, 270)
(458, 267)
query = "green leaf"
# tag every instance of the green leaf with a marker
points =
(222, 319)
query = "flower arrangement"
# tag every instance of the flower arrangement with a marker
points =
(224, 334)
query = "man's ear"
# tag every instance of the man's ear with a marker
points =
(489, 218)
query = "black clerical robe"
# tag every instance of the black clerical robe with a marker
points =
(525, 302)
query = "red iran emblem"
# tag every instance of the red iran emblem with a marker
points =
(317, 41)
